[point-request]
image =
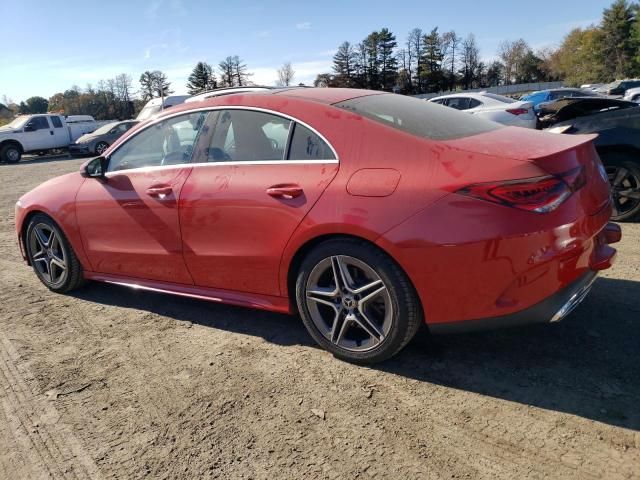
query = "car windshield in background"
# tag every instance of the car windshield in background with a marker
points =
(499, 98)
(418, 117)
(105, 128)
(18, 122)
(148, 112)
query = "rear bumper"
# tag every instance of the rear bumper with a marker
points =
(552, 309)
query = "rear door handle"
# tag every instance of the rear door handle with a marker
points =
(286, 192)
(160, 191)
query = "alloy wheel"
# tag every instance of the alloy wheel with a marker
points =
(349, 303)
(47, 254)
(101, 148)
(625, 189)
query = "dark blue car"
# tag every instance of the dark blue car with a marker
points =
(554, 94)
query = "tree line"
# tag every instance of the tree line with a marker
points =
(426, 61)
(432, 61)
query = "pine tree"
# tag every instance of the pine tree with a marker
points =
(386, 59)
(201, 79)
(344, 65)
(432, 57)
(617, 22)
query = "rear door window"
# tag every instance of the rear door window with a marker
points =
(57, 123)
(246, 136)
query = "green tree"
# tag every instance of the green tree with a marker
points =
(37, 105)
(387, 59)
(618, 45)
(344, 65)
(432, 56)
(580, 58)
(201, 79)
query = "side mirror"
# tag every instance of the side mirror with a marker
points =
(95, 168)
(29, 127)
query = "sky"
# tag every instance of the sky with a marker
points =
(49, 46)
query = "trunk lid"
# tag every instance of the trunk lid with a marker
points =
(552, 153)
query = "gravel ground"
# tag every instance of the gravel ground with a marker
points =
(114, 383)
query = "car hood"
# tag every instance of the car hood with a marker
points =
(87, 138)
(5, 130)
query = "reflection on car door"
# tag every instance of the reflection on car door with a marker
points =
(237, 211)
(129, 223)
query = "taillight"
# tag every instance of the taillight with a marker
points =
(540, 195)
(518, 111)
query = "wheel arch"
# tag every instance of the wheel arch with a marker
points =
(301, 252)
(12, 141)
(629, 149)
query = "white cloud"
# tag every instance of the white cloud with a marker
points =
(303, 26)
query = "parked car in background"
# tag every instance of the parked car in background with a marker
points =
(265, 200)
(617, 124)
(554, 94)
(217, 92)
(632, 95)
(493, 107)
(41, 133)
(619, 87)
(96, 143)
(156, 105)
(591, 86)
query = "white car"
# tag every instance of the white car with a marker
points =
(494, 107)
(632, 95)
(217, 92)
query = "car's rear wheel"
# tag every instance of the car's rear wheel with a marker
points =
(356, 302)
(101, 147)
(10, 153)
(52, 256)
(624, 178)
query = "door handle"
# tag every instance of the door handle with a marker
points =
(160, 191)
(50, 132)
(286, 192)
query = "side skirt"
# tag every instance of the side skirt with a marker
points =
(242, 299)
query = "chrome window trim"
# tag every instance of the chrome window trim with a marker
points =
(218, 108)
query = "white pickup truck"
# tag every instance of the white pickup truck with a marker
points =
(39, 133)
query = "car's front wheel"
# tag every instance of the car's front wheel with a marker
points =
(10, 153)
(101, 147)
(52, 256)
(624, 179)
(356, 302)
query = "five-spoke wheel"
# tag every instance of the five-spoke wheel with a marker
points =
(624, 179)
(356, 302)
(51, 255)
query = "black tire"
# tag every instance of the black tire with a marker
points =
(624, 178)
(405, 315)
(10, 153)
(101, 147)
(41, 260)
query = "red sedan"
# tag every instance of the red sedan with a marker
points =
(368, 213)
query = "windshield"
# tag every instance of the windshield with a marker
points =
(418, 117)
(148, 112)
(105, 128)
(499, 98)
(18, 122)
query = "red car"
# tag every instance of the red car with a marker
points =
(368, 213)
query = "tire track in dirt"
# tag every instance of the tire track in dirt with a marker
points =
(36, 424)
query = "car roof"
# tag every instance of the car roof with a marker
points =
(326, 95)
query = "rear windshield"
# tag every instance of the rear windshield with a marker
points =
(499, 98)
(418, 117)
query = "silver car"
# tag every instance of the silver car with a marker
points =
(95, 143)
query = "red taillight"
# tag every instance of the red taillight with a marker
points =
(518, 111)
(540, 195)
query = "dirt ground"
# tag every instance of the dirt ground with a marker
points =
(115, 383)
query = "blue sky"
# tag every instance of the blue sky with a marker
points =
(48, 46)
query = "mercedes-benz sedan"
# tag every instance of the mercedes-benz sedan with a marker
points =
(368, 213)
